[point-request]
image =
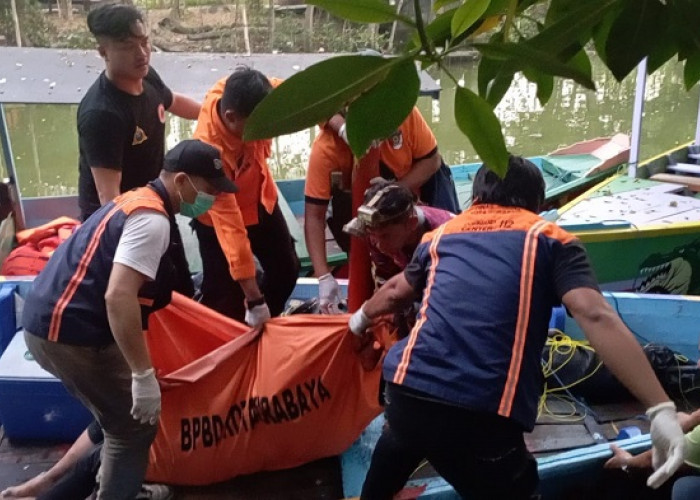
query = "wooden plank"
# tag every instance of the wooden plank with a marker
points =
(692, 183)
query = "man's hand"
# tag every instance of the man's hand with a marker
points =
(668, 443)
(368, 349)
(145, 395)
(257, 315)
(620, 458)
(328, 294)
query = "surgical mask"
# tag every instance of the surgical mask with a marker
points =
(202, 203)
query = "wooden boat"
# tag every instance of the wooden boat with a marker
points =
(642, 234)
(570, 447)
(570, 453)
(567, 171)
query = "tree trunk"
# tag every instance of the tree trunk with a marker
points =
(309, 31)
(15, 19)
(399, 6)
(175, 9)
(65, 9)
(246, 38)
(272, 25)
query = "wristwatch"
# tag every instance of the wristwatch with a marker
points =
(255, 302)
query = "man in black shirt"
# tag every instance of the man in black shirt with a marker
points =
(121, 119)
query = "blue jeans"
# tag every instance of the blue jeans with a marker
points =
(686, 488)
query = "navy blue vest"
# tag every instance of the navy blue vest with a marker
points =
(66, 303)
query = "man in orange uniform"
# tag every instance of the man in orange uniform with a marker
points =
(410, 155)
(249, 220)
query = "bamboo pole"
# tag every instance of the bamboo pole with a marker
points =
(399, 6)
(246, 39)
(15, 19)
(272, 25)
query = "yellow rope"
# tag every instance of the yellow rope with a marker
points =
(564, 346)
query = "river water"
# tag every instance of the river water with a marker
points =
(44, 137)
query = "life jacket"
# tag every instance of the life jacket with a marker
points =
(36, 245)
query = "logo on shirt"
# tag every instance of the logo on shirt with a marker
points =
(161, 113)
(396, 140)
(139, 136)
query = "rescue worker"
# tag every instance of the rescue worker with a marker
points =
(410, 155)
(83, 317)
(222, 237)
(121, 119)
(489, 279)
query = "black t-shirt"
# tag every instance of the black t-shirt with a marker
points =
(123, 132)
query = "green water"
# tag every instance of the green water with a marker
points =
(44, 138)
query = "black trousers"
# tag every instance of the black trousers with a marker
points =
(271, 244)
(483, 456)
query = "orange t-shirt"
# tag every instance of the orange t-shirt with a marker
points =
(412, 142)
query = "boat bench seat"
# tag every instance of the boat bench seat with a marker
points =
(297, 232)
(692, 183)
(684, 168)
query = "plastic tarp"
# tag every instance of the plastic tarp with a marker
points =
(237, 401)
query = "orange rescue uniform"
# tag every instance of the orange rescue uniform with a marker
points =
(412, 142)
(245, 163)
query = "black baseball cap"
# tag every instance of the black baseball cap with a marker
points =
(198, 158)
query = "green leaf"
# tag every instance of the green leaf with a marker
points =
(545, 84)
(601, 32)
(377, 114)
(494, 79)
(633, 35)
(476, 120)
(666, 47)
(691, 70)
(438, 31)
(439, 4)
(498, 87)
(685, 17)
(313, 95)
(467, 15)
(581, 17)
(362, 11)
(581, 62)
(522, 56)
(496, 7)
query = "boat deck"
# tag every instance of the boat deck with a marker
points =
(559, 430)
(320, 479)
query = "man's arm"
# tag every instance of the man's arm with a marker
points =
(315, 236)
(124, 315)
(421, 171)
(108, 183)
(615, 344)
(185, 107)
(393, 295)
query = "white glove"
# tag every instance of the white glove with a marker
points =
(328, 294)
(343, 133)
(359, 322)
(668, 443)
(145, 395)
(257, 315)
